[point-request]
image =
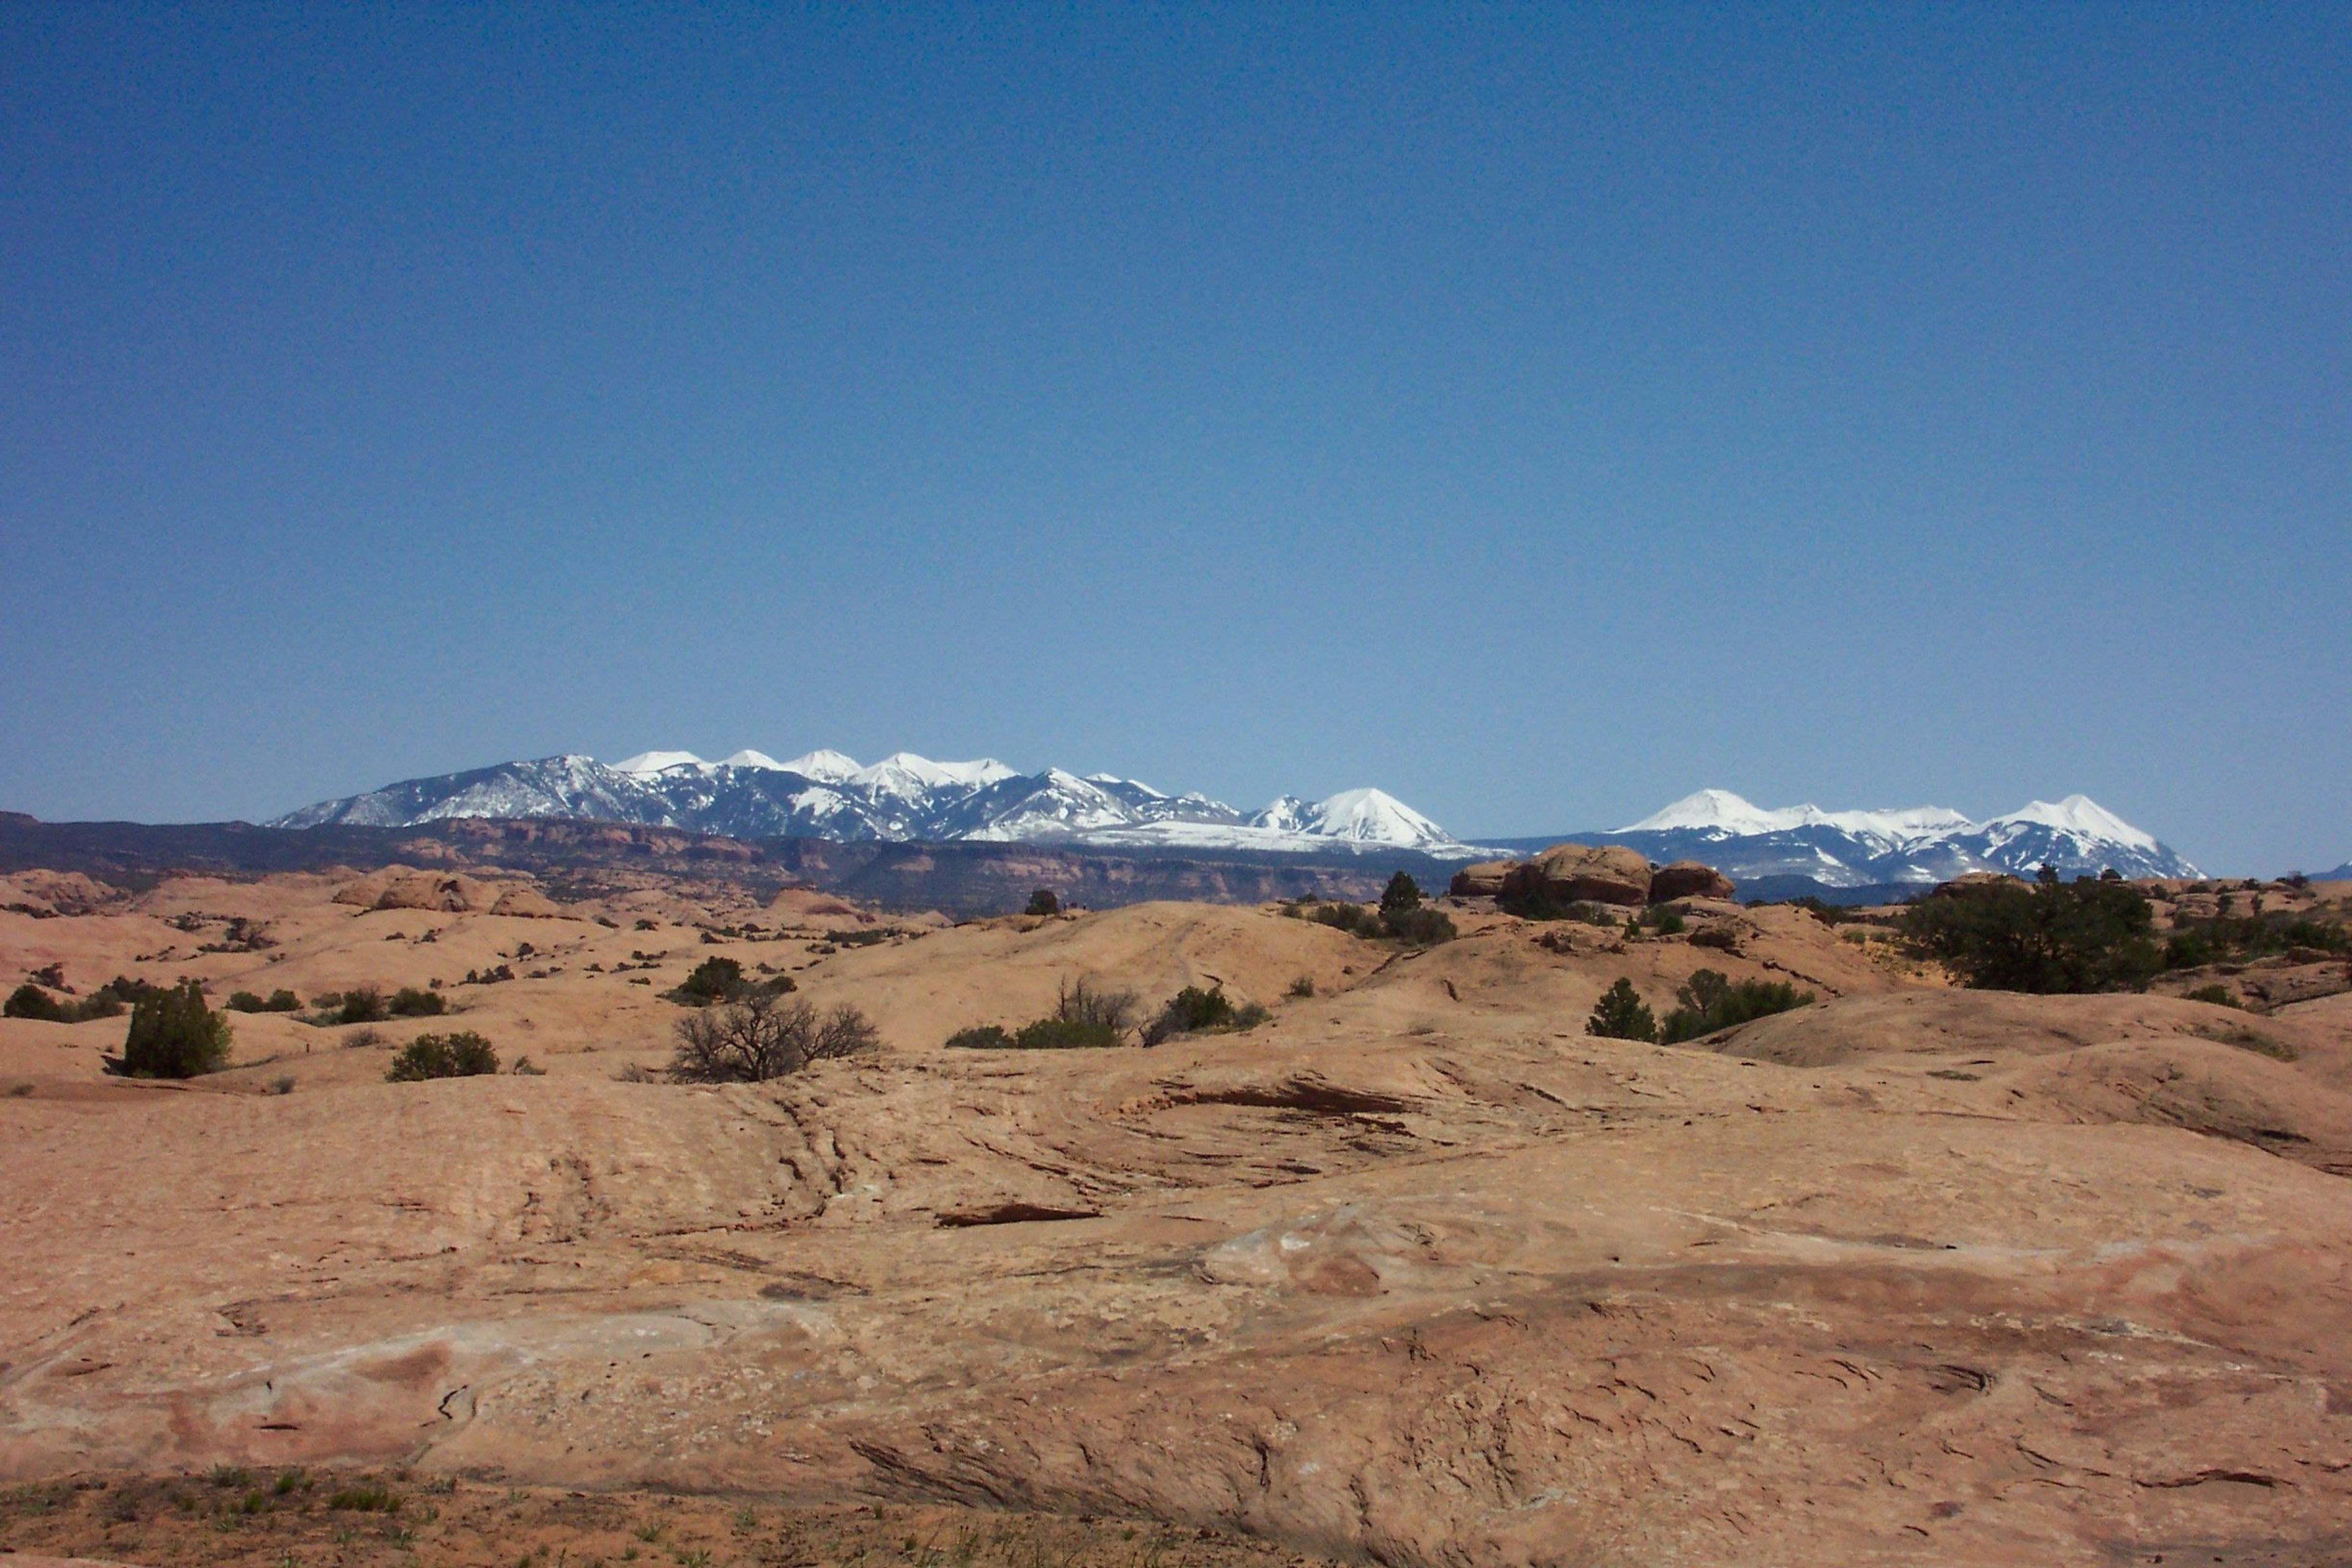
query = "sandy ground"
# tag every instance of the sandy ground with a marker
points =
(1416, 1271)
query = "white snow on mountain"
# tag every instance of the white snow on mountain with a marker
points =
(1719, 810)
(904, 797)
(2078, 816)
(646, 765)
(1372, 816)
(1914, 843)
(827, 767)
(906, 775)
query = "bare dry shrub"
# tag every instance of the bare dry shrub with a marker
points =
(764, 1036)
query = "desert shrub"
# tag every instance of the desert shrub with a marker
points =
(525, 1067)
(1353, 919)
(29, 1001)
(2326, 935)
(361, 1005)
(362, 1039)
(1621, 1015)
(2193, 943)
(2190, 949)
(279, 1001)
(1418, 927)
(1665, 920)
(1042, 902)
(369, 1498)
(1401, 894)
(1193, 1010)
(462, 1055)
(857, 938)
(1066, 1035)
(762, 1036)
(712, 980)
(1089, 1002)
(410, 1002)
(1538, 906)
(1711, 1002)
(1407, 923)
(2219, 995)
(1086, 1014)
(2054, 937)
(1301, 988)
(174, 1034)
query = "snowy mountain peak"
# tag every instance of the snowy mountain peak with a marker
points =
(1717, 809)
(905, 773)
(750, 759)
(1374, 817)
(824, 766)
(646, 765)
(2081, 816)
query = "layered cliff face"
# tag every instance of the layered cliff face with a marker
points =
(1415, 1270)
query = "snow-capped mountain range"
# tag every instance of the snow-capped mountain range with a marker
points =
(905, 797)
(825, 795)
(1915, 844)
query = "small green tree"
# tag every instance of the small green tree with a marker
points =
(1713, 1001)
(1621, 1015)
(2085, 935)
(1418, 927)
(361, 1005)
(1401, 894)
(712, 980)
(174, 1034)
(1042, 902)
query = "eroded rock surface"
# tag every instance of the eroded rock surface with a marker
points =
(1416, 1271)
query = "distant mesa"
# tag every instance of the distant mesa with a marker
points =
(902, 798)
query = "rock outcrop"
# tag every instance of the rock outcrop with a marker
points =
(529, 904)
(400, 888)
(1482, 880)
(1689, 879)
(1583, 873)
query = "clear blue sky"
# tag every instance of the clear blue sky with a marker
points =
(1538, 412)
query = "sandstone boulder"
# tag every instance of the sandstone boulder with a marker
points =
(441, 893)
(402, 888)
(1689, 879)
(1482, 880)
(531, 904)
(1584, 873)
